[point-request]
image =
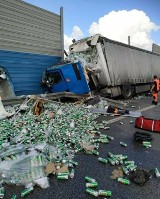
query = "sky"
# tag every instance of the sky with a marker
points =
(114, 19)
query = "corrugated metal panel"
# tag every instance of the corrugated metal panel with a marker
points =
(156, 48)
(25, 70)
(30, 41)
(126, 64)
(27, 28)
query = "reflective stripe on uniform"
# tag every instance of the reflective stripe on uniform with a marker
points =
(157, 84)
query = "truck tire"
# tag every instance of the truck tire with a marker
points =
(127, 91)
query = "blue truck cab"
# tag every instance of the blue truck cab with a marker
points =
(66, 77)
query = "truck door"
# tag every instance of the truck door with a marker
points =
(75, 78)
(57, 81)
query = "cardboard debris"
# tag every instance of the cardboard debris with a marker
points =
(51, 115)
(62, 169)
(32, 97)
(87, 147)
(58, 164)
(51, 168)
(39, 107)
(117, 173)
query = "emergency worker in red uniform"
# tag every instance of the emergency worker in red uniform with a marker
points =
(155, 89)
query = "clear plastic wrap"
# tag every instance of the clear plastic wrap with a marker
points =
(23, 170)
(42, 182)
(13, 150)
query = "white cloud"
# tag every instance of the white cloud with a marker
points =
(76, 34)
(121, 24)
(67, 42)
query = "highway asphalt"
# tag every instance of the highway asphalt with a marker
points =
(89, 165)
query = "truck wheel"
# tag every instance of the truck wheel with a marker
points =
(127, 91)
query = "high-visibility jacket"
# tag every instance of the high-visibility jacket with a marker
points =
(157, 85)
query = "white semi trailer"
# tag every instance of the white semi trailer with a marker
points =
(119, 69)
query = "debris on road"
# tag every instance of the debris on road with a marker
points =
(142, 136)
(123, 144)
(26, 191)
(2, 191)
(42, 139)
(93, 184)
(3, 113)
(123, 181)
(89, 179)
(104, 193)
(157, 173)
(14, 197)
(140, 176)
(103, 160)
(117, 173)
(92, 192)
(147, 144)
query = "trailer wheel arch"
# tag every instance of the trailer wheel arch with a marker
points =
(127, 91)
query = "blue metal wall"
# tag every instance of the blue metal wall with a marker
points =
(25, 70)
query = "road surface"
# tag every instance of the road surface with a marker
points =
(89, 165)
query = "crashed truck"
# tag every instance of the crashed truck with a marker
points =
(114, 68)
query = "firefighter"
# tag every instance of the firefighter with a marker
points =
(155, 89)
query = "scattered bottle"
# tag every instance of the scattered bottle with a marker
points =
(72, 173)
(26, 191)
(95, 152)
(92, 192)
(92, 184)
(125, 170)
(111, 161)
(123, 144)
(110, 137)
(2, 192)
(104, 193)
(103, 160)
(157, 173)
(14, 197)
(147, 144)
(129, 162)
(107, 128)
(89, 179)
(123, 181)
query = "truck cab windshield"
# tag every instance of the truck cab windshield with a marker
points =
(54, 77)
